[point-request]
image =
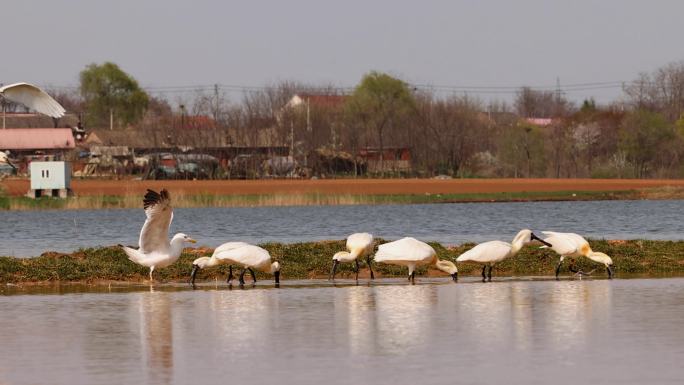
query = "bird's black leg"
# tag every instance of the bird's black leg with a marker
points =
(252, 273)
(356, 261)
(368, 260)
(242, 276)
(558, 267)
(489, 275)
(484, 277)
(413, 277)
(230, 274)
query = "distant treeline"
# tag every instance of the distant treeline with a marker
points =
(541, 134)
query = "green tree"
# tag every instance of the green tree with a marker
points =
(645, 139)
(111, 96)
(521, 151)
(380, 104)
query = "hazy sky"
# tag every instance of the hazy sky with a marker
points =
(497, 43)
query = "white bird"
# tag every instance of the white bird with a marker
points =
(155, 249)
(239, 253)
(411, 252)
(33, 98)
(574, 245)
(358, 245)
(489, 253)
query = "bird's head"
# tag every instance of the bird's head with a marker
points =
(601, 258)
(197, 264)
(180, 237)
(275, 270)
(448, 267)
(526, 236)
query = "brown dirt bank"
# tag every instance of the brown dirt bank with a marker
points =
(18, 187)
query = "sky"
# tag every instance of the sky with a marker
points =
(488, 46)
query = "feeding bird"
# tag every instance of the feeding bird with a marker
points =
(411, 252)
(239, 253)
(358, 245)
(574, 245)
(489, 253)
(155, 250)
(33, 98)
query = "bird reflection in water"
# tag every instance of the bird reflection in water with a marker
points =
(156, 335)
(401, 318)
(573, 307)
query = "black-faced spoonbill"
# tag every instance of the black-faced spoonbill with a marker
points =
(155, 249)
(239, 253)
(358, 245)
(574, 245)
(489, 253)
(411, 252)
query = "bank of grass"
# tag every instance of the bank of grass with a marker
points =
(313, 260)
(259, 200)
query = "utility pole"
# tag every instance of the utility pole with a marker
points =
(216, 99)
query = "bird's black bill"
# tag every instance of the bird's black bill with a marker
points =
(276, 277)
(534, 237)
(333, 270)
(195, 268)
(454, 276)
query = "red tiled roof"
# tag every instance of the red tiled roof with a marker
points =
(36, 139)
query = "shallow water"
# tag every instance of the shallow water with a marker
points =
(29, 233)
(436, 332)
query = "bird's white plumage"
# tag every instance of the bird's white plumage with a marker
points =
(154, 236)
(405, 250)
(246, 255)
(487, 252)
(155, 250)
(229, 246)
(567, 244)
(360, 241)
(33, 98)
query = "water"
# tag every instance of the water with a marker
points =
(29, 233)
(511, 331)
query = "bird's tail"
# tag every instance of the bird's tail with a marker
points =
(133, 254)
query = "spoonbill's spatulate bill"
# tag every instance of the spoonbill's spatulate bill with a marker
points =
(155, 249)
(574, 245)
(489, 253)
(33, 98)
(358, 246)
(239, 253)
(411, 252)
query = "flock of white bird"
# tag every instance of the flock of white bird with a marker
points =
(156, 251)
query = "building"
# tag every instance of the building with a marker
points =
(50, 179)
(393, 159)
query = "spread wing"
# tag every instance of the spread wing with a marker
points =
(33, 98)
(154, 236)
(486, 252)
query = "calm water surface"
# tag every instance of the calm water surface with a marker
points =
(524, 331)
(29, 233)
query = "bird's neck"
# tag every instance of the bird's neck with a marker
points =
(176, 248)
(516, 245)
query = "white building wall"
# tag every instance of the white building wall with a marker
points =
(50, 175)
